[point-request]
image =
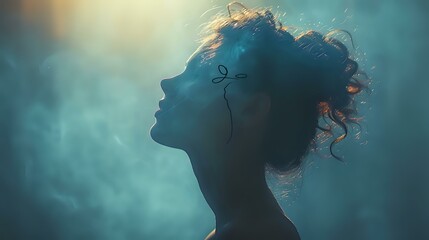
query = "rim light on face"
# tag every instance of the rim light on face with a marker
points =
(163, 109)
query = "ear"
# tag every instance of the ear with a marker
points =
(256, 109)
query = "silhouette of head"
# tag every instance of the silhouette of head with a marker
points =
(251, 83)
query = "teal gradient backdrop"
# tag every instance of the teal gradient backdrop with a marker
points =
(79, 84)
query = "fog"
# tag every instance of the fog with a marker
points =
(79, 84)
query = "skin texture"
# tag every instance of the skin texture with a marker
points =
(194, 117)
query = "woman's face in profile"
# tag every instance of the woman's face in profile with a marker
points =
(194, 111)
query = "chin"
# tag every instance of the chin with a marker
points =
(159, 135)
(156, 133)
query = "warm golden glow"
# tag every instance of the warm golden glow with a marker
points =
(113, 24)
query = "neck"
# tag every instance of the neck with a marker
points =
(233, 185)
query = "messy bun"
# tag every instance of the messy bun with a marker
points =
(337, 78)
(309, 77)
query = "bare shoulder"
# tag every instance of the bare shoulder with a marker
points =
(263, 229)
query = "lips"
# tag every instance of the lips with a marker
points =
(163, 108)
(163, 105)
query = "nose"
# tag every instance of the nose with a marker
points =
(166, 84)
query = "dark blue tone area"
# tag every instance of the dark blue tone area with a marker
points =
(77, 162)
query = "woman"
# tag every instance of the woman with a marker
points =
(249, 100)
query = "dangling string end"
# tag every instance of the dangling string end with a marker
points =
(235, 3)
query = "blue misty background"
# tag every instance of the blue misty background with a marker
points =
(79, 83)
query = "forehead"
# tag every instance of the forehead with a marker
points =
(195, 60)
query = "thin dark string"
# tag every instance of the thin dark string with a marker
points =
(235, 3)
(230, 113)
(224, 72)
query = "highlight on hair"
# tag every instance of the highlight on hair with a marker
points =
(314, 70)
